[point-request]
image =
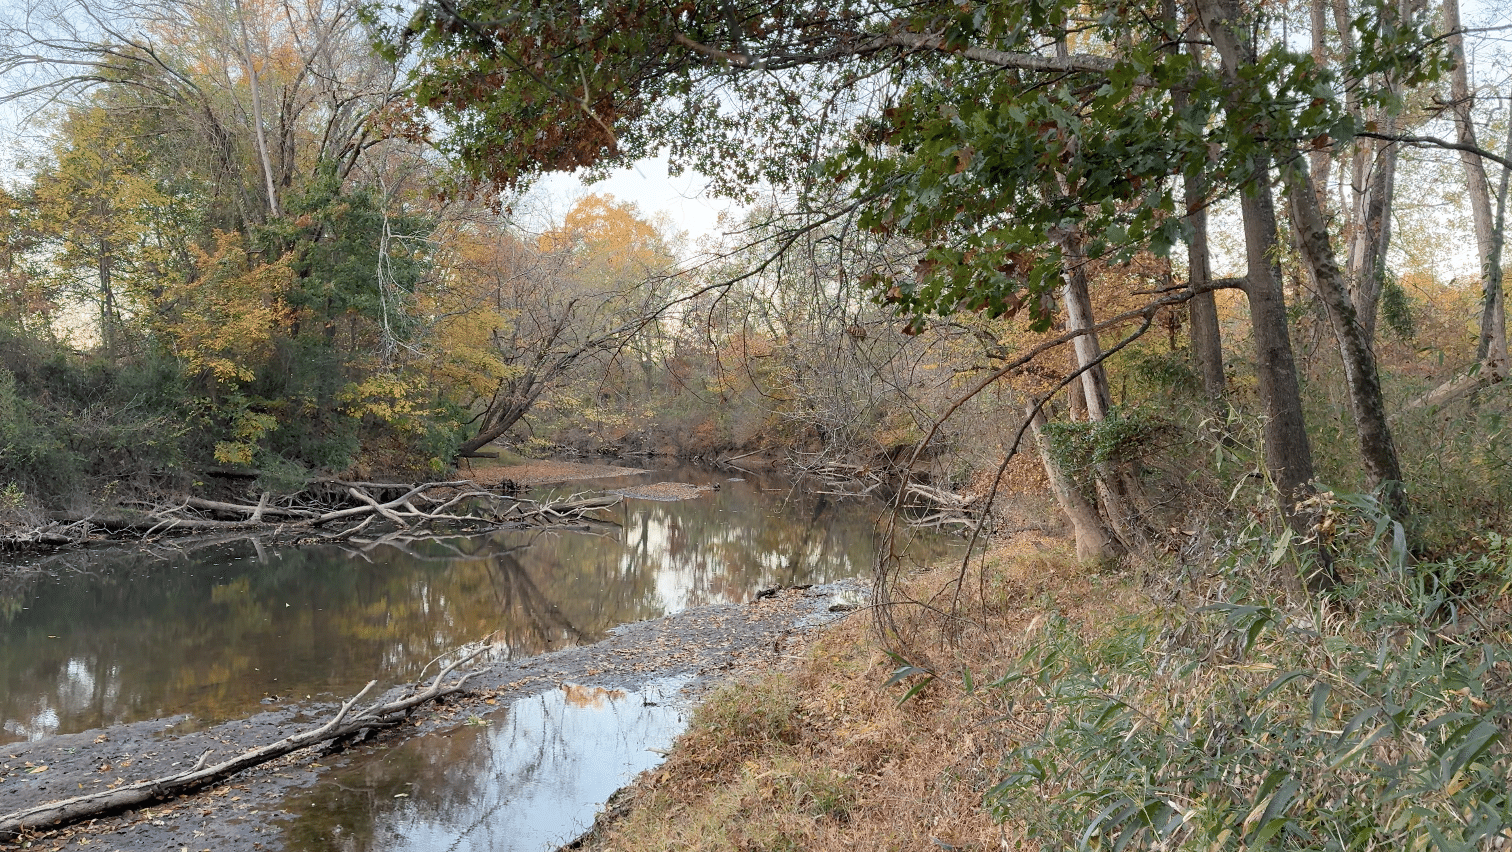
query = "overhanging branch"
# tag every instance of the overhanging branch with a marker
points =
(1435, 142)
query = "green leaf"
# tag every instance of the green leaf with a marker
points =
(915, 690)
(1281, 681)
(1319, 701)
(1273, 818)
(1481, 738)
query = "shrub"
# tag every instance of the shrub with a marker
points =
(1376, 725)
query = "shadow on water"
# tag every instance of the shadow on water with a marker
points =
(528, 778)
(216, 632)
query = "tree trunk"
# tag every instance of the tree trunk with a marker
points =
(1288, 453)
(1493, 337)
(1377, 450)
(1078, 298)
(1202, 310)
(1367, 258)
(497, 421)
(1093, 542)
(108, 310)
(1494, 318)
(258, 133)
(1320, 160)
(1117, 488)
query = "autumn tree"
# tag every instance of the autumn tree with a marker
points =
(520, 317)
(102, 212)
(227, 168)
(249, 97)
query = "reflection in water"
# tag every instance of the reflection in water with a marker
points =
(213, 633)
(527, 779)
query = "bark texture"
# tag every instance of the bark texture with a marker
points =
(1377, 449)
(1288, 453)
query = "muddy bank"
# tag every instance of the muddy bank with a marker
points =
(702, 646)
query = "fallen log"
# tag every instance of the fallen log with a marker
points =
(938, 497)
(54, 815)
(1480, 376)
(241, 509)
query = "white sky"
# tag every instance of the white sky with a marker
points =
(683, 199)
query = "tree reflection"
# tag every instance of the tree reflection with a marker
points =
(214, 632)
(528, 779)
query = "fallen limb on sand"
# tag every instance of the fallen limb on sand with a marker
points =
(53, 815)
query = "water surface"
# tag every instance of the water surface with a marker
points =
(529, 778)
(216, 632)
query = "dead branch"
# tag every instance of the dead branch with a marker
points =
(53, 815)
(381, 509)
(240, 510)
(417, 510)
(410, 495)
(1481, 376)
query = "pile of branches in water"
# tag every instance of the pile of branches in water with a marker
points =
(923, 505)
(330, 510)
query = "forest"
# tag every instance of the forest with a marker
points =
(1216, 284)
(275, 242)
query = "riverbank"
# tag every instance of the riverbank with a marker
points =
(821, 753)
(1198, 706)
(698, 648)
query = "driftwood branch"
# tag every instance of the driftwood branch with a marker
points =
(340, 513)
(237, 508)
(933, 507)
(53, 815)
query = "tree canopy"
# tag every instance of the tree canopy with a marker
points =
(1015, 144)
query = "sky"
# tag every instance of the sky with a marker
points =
(684, 199)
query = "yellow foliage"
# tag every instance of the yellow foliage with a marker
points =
(402, 402)
(247, 427)
(222, 322)
(611, 238)
(469, 311)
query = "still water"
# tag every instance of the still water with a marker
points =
(216, 632)
(530, 778)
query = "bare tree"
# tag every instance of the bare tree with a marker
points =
(307, 70)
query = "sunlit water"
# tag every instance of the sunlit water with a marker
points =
(217, 632)
(529, 778)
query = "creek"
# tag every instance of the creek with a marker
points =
(219, 632)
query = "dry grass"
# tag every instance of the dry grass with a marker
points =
(822, 756)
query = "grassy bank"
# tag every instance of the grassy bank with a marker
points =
(822, 755)
(1080, 709)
